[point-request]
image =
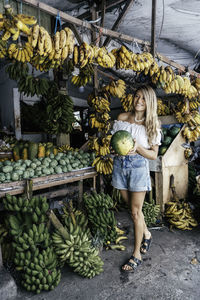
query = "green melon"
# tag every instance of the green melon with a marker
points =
(174, 131)
(122, 142)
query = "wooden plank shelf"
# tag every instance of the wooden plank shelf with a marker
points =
(17, 187)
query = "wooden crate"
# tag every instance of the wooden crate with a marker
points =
(172, 162)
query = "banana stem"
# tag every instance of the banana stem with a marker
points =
(56, 223)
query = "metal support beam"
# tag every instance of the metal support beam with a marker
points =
(119, 20)
(111, 4)
(153, 28)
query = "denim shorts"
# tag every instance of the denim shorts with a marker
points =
(131, 172)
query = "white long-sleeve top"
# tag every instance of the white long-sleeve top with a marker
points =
(138, 132)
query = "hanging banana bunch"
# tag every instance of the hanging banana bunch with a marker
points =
(116, 88)
(20, 52)
(104, 58)
(59, 111)
(162, 108)
(100, 121)
(17, 70)
(103, 165)
(101, 145)
(13, 25)
(85, 76)
(162, 77)
(127, 102)
(100, 103)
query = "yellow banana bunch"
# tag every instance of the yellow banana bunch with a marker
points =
(86, 54)
(116, 88)
(100, 103)
(180, 215)
(154, 69)
(127, 102)
(191, 134)
(103, 165)
(162, 108)
(65, 148)
(104, 58)
(163, 77)
(99, 123)
(100, 145)
(197, 83)
(85, 76)
(28, 20)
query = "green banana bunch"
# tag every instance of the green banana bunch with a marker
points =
(31, 86)
(38, 206)
(60, 112)
(151, 212)
(77, 249)
(17, 70)
(100, 216)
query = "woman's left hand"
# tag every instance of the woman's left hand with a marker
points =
(133, 151)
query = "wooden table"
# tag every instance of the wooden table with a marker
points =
(39, 183)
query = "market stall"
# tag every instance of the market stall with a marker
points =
(77, 235)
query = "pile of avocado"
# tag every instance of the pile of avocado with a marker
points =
(168, 135)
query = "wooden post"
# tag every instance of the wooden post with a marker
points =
(153, 28)
(95, 42)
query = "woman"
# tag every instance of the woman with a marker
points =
(131, 172)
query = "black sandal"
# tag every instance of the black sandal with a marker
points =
(133, 266)
(146, 243)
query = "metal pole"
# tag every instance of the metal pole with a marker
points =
(153, 28)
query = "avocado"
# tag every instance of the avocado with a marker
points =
(167, 140)
(174, 131)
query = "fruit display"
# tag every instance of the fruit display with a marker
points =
(101, 217)
(73, 245)
(100, 103)
(43, 166)
(168, 135)
(122, 142)
(34, 257)
(29, 150)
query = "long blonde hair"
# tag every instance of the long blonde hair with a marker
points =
(151, 123)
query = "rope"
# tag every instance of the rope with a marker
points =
(58, 19)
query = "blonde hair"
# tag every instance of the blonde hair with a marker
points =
(151, 123)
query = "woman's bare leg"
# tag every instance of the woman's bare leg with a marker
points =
(136, 201)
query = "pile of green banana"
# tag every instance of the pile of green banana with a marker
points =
(33, 255)
(100, 216)
(60, 113)
(151, 212)
(37, 206)
(180, 215)
(77, 250)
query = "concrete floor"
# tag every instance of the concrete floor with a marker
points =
(166, 272)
